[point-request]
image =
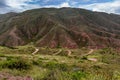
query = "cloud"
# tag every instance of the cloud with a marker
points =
(3, 7)
(15, 5)
(109, 7)
(86, 0)
(65, 4)
(3, 3)
(22, 5)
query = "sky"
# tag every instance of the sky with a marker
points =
(109, 6)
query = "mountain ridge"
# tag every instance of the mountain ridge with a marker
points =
(63, 27)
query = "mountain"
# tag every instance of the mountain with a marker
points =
(63, 27)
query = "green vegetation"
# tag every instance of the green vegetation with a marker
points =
(18, 64)
(46, 66)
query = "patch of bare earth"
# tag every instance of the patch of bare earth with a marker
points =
(92, 59)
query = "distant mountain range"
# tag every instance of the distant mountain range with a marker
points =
(63, 27)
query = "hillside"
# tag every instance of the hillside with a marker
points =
(59, 64)
(63, 27)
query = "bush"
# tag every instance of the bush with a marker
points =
(53, 65)
(2, 55)
(38, 62)
(18, 64)
(56, 75)
(63, 75)
(78, 75)
(107, 51)
(84, 58)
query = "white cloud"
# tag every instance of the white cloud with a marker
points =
(16, 3)
(65, 4)
(22, 5)
(5, 10)
(109, 7)
(85, 0)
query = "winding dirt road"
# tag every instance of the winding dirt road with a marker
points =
(69, 53)
(36, 50)
(90, 52)
(58, 52)
(91, 59)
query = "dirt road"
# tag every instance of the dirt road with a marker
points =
(36, 50)
(91, 59)
(58, 52)
(90, 52)
(69, 52)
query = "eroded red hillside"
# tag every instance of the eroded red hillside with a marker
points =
(64, 27)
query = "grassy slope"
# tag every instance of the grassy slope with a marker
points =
(46, 66)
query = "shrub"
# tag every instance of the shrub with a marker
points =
(108, 51)
(116, 75)
(84, 58)
(37, 62)
(78, 75)
(51, 65)
(2, 55)
(18, 64)
(56, 75)
(96, 67)
(54, 65)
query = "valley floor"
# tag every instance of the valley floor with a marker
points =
(31, 63)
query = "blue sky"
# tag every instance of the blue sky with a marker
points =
(109, 6)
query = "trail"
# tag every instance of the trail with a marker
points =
(58, 52)
(69, 52)
(90, 52)
(91, 59)
(36, 50)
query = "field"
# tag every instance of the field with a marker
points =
(59, 64)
